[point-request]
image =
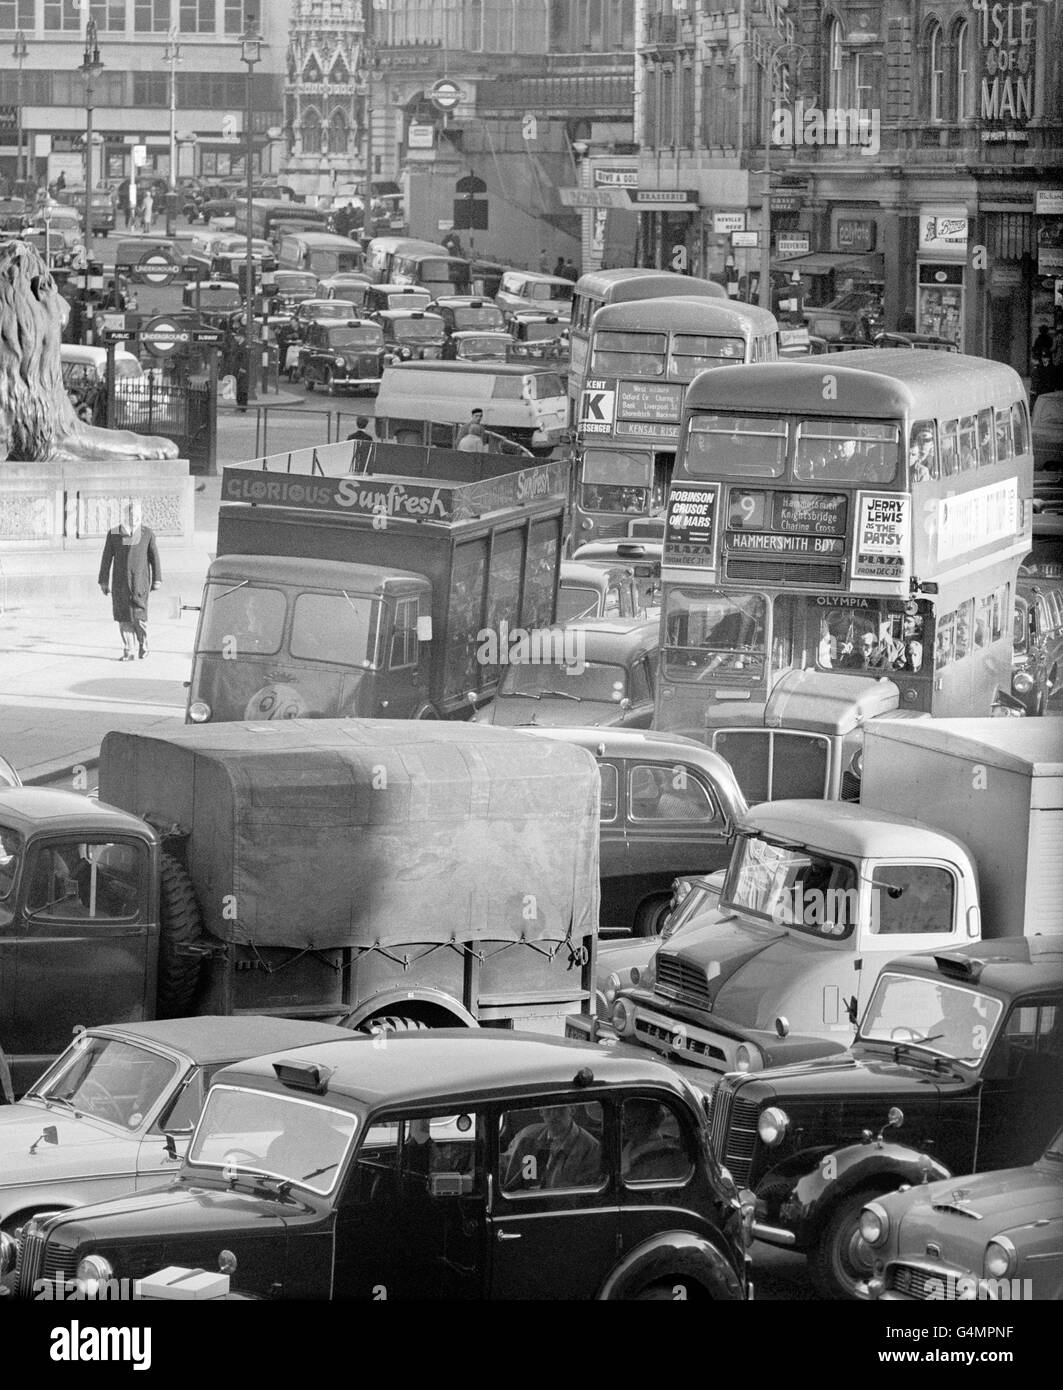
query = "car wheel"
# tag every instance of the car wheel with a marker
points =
(651, 917)
(841, 1264)
(426, 712)
(393, 1023)
(309, 383)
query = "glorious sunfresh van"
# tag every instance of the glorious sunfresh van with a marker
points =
(430, 402)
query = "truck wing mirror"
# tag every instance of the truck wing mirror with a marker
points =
(424, 629)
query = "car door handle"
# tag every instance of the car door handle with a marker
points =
(509, 1235)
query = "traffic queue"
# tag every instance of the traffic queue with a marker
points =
(444, 794)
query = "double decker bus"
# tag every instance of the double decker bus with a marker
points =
(642, 355)
(598, 288)
(842, 541)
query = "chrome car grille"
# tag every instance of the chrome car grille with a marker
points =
(734, 1132)
(917, 1282)
(37, 1260)
(681, 980)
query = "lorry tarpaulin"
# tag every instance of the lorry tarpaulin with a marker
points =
(323, 833)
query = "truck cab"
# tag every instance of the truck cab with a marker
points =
(290, 638)
(817, 899)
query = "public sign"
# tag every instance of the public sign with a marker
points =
(140, 156)
(228, 128)
(594, 198)
(745, 241)
(211, 336)
(724, 223)
(445, 94)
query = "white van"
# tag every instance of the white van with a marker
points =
(431, 402)
(524, 289)
(84, 372)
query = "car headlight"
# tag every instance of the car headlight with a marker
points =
(339, 361)
(8, 1253)
(612, 988)
(405, 354)
(93, 1271)
(623, 1019)
(748, 1058)
(772, 1125)
(1022, 682)
(198, 712)
(999, 1259)
(874, 1224)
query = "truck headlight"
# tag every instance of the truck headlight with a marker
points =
(772, 1125)
(748, 1058)
(999, 1259)
(1022, 682)
(8, 1253)
(623, 1018)
(93, 1271)
(198, 712)
(874, 1224)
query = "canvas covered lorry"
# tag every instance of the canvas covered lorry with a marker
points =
(347, 871)
(957, 837)
(367, 589)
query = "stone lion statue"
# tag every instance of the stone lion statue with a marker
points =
(38, 422)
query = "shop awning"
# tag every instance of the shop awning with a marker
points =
(869, 263)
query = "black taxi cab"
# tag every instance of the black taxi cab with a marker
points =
(342, 356)
(453, 1164)
(957, 1067)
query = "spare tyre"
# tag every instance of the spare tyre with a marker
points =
(180, 924)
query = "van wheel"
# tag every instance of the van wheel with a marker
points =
(651, 916)
(840, 1263)
(180, 924)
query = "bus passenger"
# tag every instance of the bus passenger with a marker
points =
(922, 456)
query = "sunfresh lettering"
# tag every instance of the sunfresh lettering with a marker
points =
(392, 501)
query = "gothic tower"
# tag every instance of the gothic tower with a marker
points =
(324, 97)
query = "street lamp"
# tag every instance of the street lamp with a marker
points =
(172, 55)
(91, 67)
(250, 53)
(20, 53)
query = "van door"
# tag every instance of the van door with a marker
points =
(910, 907)
(407, 660)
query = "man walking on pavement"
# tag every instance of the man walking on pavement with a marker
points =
(129, 571)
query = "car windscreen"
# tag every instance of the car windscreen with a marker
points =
(10, 858)
(109, 1079)
(482, 316)
(416, 330)
(951, 1019)
(368, 337)
(260, 1133)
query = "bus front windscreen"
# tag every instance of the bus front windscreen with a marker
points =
(708, 633)
(740, 446)
(615, 481)
(629, 354)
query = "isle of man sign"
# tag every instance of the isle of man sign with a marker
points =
(597, 407)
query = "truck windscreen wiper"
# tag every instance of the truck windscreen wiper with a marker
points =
(562, 695)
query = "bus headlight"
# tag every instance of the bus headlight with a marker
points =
(198, 712)
(772, 1125)
(1022, 682)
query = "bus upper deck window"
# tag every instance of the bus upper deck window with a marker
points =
(986, 442)
(1020, 426)
(722, 445)
(968, 443)
(641, 354)
(693, 353)
(1005, 438)
(922, 453)
(846, 451)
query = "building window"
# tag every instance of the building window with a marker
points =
(963, 71)
(936, 74)
(18, 16)
(151, 16)
(666, 128)
(197, 16)
(649, 106)
(474, 26)
(311, 132)
(62, 14)
(234, 16)
(531, 27)
(109, 15)
(833, 49)
(151, 89)
(686, 95)
(498, 26)
(338, 133)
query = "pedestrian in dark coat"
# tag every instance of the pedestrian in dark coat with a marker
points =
(129, 570)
